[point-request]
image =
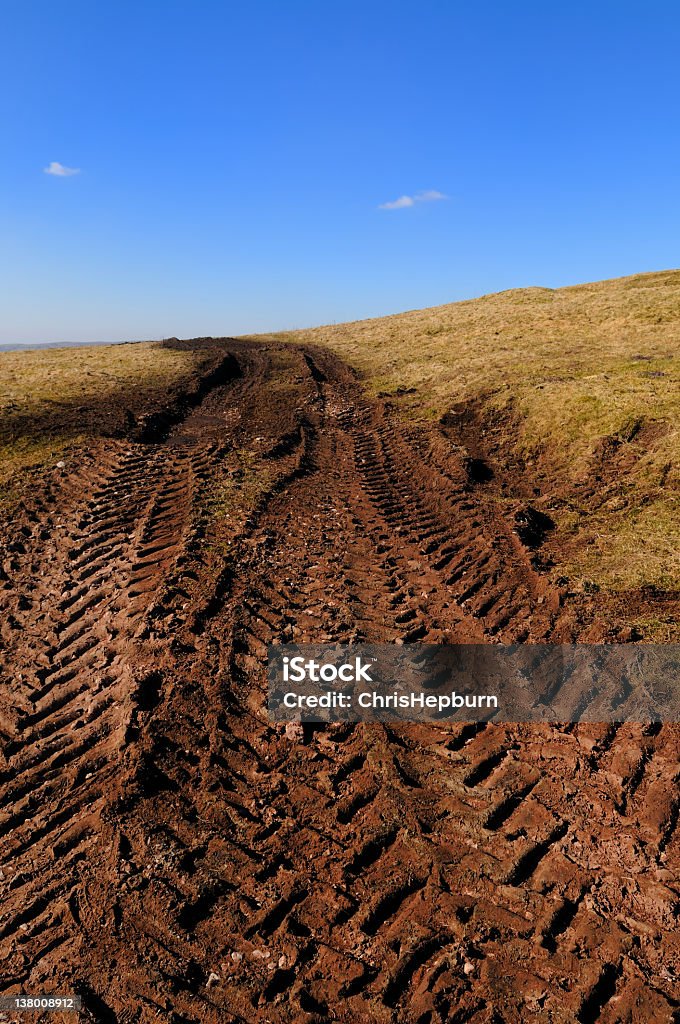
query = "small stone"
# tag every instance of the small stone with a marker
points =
(294, 732)
(468, 968)
(213, 979)
(282, 962)
(236, 956)
(61, 465)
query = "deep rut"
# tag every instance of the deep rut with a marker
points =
(168, 854)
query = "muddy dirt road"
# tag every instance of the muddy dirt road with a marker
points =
(169, 855)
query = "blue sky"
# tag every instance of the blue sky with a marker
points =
(234, 157)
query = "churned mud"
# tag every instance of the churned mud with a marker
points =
(167, 854)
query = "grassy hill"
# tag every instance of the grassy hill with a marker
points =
(573, 395)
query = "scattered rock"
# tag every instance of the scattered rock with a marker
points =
(294, 732)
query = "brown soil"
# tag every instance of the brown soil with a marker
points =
(170, 855)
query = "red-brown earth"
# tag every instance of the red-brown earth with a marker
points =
(169, 854)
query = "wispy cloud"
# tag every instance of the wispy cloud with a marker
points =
(59, 171)
(429, 196)
(398, 204)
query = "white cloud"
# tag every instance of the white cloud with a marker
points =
(429, 196)
(398, 204)
(59, 171)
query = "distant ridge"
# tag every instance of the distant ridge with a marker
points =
(19, 346)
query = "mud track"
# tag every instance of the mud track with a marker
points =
(169, 855)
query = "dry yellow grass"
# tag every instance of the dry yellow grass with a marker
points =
(566, 368)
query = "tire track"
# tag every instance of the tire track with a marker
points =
(91, 573)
